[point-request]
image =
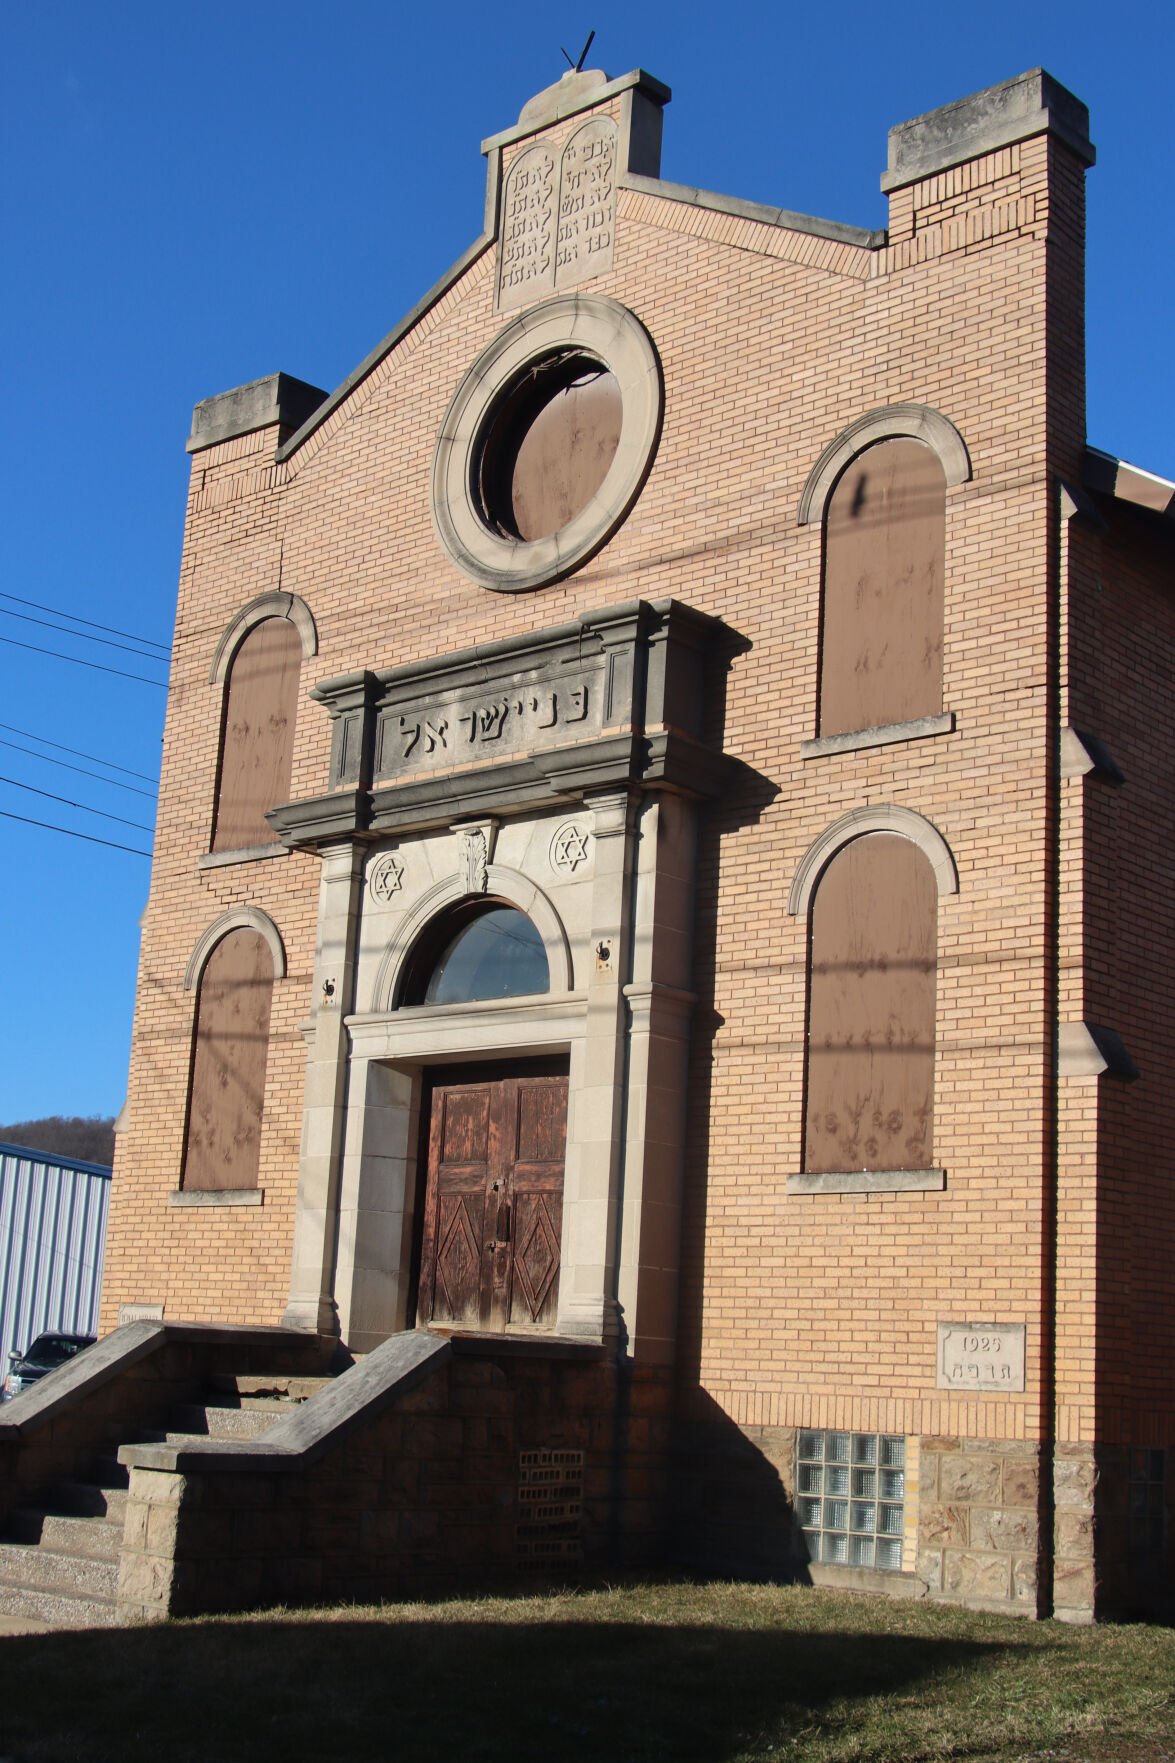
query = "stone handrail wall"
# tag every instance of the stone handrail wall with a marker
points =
(130, 1378)
(406, 1478)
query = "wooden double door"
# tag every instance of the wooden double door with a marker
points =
(493, 1215)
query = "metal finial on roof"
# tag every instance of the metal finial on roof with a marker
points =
(576, 66)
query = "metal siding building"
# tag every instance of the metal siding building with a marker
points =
(52, 1239)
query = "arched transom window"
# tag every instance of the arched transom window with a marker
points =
(479, 950)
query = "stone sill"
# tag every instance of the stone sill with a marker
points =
(828, 1577)
(867, 1181)
(518, 1346)
(216, 1197)
(861, 739)
(246, 854)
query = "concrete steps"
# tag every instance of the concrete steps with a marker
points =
(48, 1570)
(59, 1558)
(96, 1537)
(49, 1609)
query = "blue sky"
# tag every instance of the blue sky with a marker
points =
(196, 195)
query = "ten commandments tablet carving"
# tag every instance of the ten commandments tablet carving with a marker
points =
(558, 218)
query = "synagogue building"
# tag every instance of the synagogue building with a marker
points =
(655, 991)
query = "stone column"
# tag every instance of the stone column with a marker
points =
(311, 1303)
(660, 1009)
(595, 1127)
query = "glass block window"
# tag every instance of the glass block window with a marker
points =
(850, 1497)
(1147, 1474)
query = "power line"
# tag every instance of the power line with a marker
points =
(70, 834)
(78, 662)
(110, 629)
(82, 636)
(82, 770)
(100, 812)
(76, 751)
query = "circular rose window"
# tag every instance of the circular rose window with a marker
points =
(547, 443)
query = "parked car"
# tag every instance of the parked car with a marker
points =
(47, 1352)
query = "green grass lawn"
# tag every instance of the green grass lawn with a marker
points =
(629, 1674)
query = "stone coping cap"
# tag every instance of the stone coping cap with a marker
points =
(115, 1353)
(573, 93)
(1030, 104)
(393, 1368)
(1111, 476)
(869, 239)
(278, 398)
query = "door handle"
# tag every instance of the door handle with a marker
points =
(502, 1230)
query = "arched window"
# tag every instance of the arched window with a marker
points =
(882, 610)
(873, 955)
(481, 949)
(231, 1045)
(257, 733)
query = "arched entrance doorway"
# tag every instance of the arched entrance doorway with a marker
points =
(493, 1138)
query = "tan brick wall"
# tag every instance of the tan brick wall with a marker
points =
(1123, 644)
(816, 1310)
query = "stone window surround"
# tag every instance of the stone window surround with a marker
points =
(270, 605)
(186, 1197)
(602, 328)
(918, 422)
(887, 818)
(860, 740)
(503, 884)
(247, 854)
(915, 422)
(239, 918)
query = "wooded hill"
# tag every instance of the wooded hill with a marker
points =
(89, 1138)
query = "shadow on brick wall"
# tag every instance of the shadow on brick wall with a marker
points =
(731, 1513)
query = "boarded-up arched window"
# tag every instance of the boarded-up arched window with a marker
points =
(871, 1005)
(228, 1064)
(884, 548)
(257, 739)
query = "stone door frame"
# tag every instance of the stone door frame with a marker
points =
(623, 1024)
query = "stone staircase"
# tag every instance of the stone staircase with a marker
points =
(59, 1558)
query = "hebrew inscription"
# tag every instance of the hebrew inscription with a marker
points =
(981, 1356)
(587, 203)
(526, 260)
(465, 728)
(558, 217)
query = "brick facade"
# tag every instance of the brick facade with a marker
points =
(794, 1309)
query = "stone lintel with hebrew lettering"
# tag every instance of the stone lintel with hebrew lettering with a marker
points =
(614, 696)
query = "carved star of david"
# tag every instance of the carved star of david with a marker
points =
(388, 879)
(571, 848)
